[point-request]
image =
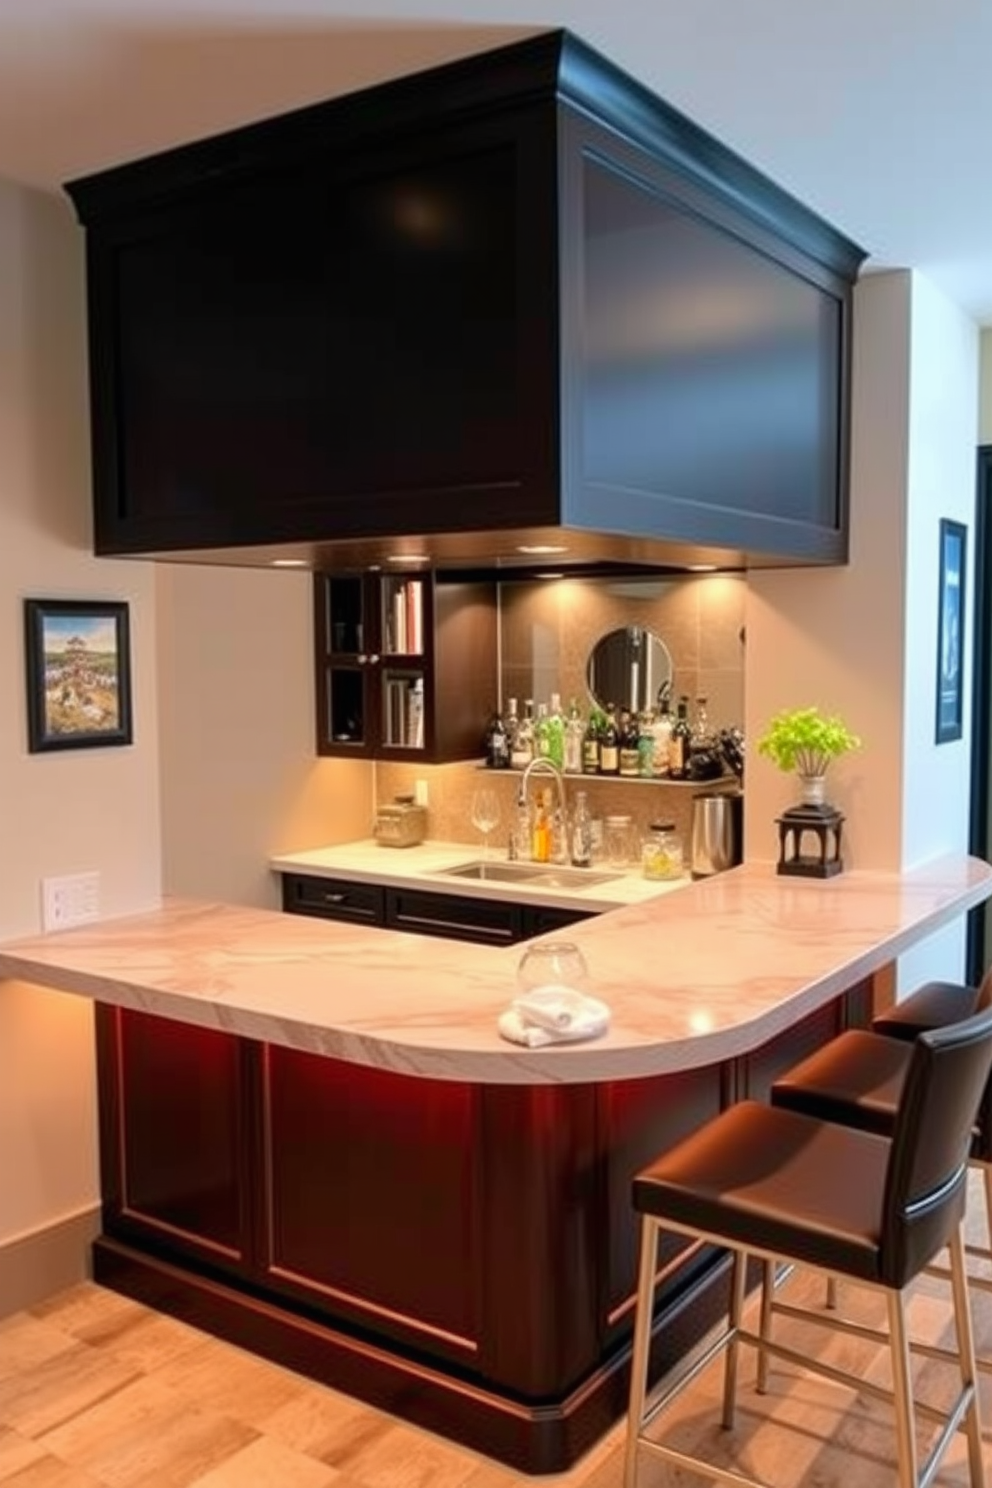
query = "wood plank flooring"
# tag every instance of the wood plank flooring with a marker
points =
(96, 1391)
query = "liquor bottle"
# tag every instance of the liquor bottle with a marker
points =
(556, 733)
(581, 836)
(511, 723)
(542, 741)
(573, 739)
(645, 746)
(540, 849)
(609, 743)
(523, 745)
(497, 745)
(590, 744)
(662, 731)
(678, 748)
(629, 755)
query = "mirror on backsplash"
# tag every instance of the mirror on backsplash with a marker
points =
(549, 631)
(629, 667)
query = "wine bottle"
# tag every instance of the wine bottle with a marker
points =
(590, 745)
(629, 757)
(609, 743)
(678, 748)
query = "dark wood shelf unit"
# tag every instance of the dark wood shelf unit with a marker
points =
(370, 687)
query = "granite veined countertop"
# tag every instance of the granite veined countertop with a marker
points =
(692, 978)
(424, 866)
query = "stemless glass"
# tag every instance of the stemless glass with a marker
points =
(553, 962)
(485, 814)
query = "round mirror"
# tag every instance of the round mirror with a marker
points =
(629, 667)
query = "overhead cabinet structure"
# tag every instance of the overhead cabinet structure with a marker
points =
(514, 299)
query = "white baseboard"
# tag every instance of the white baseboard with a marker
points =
(47, 1260)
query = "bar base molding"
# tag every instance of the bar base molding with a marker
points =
(532, 1438)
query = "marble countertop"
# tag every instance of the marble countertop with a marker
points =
(692, 978)
(424, 866)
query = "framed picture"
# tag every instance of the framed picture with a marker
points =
(78, 673)
(950, 631)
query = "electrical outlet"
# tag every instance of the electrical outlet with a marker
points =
(420, 792)
(73, 900)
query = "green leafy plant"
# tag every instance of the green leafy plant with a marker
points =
(802, 739)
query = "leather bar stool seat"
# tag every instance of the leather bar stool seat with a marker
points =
(775, 1183)
(857, 1078)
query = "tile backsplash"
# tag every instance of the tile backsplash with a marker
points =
(547, 631)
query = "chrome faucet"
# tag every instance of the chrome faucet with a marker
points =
(541, 764)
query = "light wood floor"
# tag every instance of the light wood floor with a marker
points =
(98, 1392)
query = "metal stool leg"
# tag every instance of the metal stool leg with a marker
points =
(642, 1345)
(737, 1280)
(765, 1324)
(966, 1355)
(903, 1396)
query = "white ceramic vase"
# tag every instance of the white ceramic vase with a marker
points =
(813, 789)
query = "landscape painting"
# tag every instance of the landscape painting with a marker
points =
(78, 673)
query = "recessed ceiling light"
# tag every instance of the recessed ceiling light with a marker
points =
(540, 549)
(289, 563)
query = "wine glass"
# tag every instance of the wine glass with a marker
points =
(485, 814)
(558, 962)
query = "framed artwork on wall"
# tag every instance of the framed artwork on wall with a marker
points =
(950, 631)
(78, 673)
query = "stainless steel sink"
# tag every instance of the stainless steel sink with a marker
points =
(541, 875)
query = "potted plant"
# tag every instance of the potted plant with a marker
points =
(805, 740)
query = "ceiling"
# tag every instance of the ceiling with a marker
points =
(872, 112)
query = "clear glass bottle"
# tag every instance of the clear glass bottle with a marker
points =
(523, 745)
(645, 747)
(555, 735)
(581, 835)
(574, 732)
(542, 740)
(662, 731)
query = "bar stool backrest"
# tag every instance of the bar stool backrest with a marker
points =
(927, 1170)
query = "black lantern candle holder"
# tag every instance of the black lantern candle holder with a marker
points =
(825, 823)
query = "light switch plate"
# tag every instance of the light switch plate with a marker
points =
(68, 901)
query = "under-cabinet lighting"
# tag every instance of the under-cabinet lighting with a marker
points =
(407, 558)
(540, 549)
(701, 567)
(289, 563)
(549, 576)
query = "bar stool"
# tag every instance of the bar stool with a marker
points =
(774, 1183)
(856, 1079)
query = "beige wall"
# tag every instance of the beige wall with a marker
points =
(862, 640)
(93, 809)
(240, 779)
(985, 390)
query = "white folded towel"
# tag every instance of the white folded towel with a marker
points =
(553, 1014)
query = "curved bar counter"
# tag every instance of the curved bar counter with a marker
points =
(314, 1142)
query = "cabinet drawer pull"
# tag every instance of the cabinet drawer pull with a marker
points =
(441, 924)
(329, 898)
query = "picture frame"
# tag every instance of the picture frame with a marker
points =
(950, 631)
(78, 671)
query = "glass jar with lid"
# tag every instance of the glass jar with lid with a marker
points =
(618, 840)
(662, 856)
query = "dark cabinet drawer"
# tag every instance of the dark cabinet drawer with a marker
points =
(482, 920)
(541, 919)
(332, 898)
